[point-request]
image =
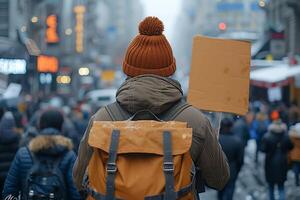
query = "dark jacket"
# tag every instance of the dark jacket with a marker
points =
(241, 129)
(233, 149)
(42, 145)
(9, 141)
(159, 94)
(276, 144)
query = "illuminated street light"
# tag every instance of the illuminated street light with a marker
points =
(23, 28)
(34, 19)
(222, 26)
(83, 71)
(262, 3)
(68, 31)
(63, 79)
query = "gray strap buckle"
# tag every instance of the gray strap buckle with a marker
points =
(111, 168)
(168, 166)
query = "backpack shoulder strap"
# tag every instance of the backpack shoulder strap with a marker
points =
(116, 112)
(174, 111)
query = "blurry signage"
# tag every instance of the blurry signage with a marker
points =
(79, 28)
(45, 78)
(47, 64)
(63, 79)
(12, 66)
(13, 90)
(52, 32)
(220, 75)
(274, 94)
(108, 75)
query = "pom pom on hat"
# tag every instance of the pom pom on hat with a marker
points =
(151, 26)
(150, 51)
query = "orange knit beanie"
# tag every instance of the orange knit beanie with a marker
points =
(150, 51)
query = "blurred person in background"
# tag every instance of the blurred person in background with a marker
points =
(241, 127)
(80, 118)
(233, 149)
(68, 128)
(294, 114)
(9, 141)
(276, 144)
(48, 146)
(260, 125)
(294, 155)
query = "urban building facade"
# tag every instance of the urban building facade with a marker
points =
(67, 43)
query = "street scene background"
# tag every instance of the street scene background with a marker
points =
(68, 54)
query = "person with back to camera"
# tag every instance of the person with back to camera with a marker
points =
(149, 64)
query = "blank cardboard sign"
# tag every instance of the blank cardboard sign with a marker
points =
(219, 76)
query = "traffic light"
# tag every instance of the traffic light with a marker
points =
(222, 26)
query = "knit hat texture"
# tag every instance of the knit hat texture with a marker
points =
(150, 51)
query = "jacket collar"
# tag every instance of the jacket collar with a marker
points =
(151, 92)
(50, 144)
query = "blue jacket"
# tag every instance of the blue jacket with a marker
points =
(42, 145)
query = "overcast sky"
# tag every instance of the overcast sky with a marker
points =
(166, 10)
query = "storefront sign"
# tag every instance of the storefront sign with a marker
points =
(47, 64)
(12, 66)
(52, 32)
(79, 28)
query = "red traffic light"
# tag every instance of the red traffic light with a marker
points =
(222, 26)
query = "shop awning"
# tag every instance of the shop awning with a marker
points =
(275, 76)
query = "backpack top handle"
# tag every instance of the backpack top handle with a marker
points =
(135, 115)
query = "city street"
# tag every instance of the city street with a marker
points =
(251, 184)
(109, 99)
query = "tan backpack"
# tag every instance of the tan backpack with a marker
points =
(137, 160)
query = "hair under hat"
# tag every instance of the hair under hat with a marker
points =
(150, 51)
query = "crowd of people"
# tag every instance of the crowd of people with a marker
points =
(46, 128)
(41, 139)
(276, 131)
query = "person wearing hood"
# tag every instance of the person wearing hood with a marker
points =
(276, 144)
(9, 141)
(295, 153)
(148, 64)
(48, 144)
(233, 148)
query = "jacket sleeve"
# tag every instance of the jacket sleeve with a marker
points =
(73, 194)
(84, 155)
(12, 185)
(212, 161)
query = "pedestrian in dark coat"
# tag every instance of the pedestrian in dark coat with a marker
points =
(241, 128)
(9, 140)
(49, 143)
(233, 149)
(260, 126)
(276, 144)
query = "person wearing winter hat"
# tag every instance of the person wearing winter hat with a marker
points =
(48, 145)
(276, 144)
(294, 155)
(233, 147)
(149, 63)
